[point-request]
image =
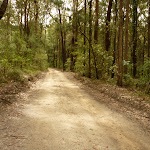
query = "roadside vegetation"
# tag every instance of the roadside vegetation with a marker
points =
(107, 40)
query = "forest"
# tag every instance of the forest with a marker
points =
(103, 39)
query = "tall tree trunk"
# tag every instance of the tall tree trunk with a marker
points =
(84, 34)
(64, 47)
(107, 38)
(96, 22)
(90, 36)
(59, 53)
(115, 37)
(73, 36)
(64, 51)
(149, 31)
(126, 35)
(96, 36)
(76, 20)
(120, 42)
(62, 42)
(3, 8)
(134, 26)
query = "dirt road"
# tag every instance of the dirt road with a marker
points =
(59, 115)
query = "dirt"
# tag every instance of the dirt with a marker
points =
(59, 113)
(123, 100)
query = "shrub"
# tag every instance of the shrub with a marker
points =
(144, 81)
(16, 75)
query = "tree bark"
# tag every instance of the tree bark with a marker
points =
(73, 36)
(84, 34)
(149, 31)
(62, 42)
(115, 37)
(107, 38)
(126, 35)
(134, 26)
(90, 37)
(120, 42)
(96, 22)
(3, 8)
(76, 20)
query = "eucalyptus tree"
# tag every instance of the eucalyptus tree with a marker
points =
(126, 35)
(120, 47)
(115, 37)
(134, 36)
(107, 34)
(96, 21)
(149, 29)
(90, 36)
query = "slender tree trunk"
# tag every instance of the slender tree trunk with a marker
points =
(62, 42)
(59, 53)
(96, 22)
(57, 56)
(120, 42)
(3, 8)
(90, 36)
(149, 31)
(84, 34)
(126, 35)
(64, 51)
(96, 36)
(73, 36)
(115, 37)
(76, 20)
(134, 25)
(107, 35)
(65, 46)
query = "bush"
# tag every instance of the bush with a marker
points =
(144, 81)
(16, 75)
(128, 80)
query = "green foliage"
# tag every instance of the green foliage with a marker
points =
(16, 75)
(104, 61)
(128, 80)
(79, 65)
(144, 81)
(20, 54)
(67, 64)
